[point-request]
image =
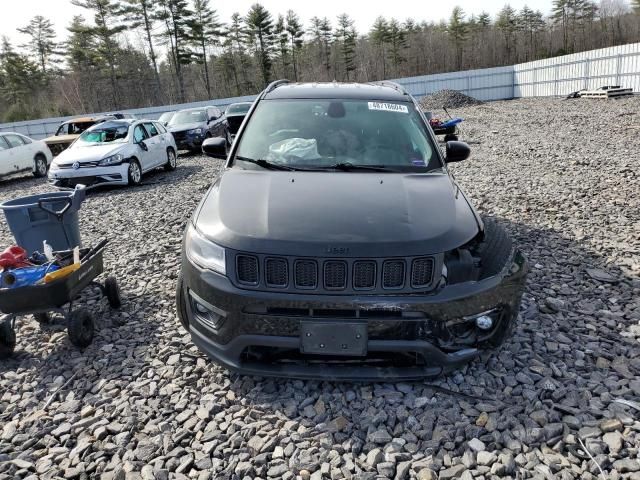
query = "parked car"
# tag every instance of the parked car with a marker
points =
(190, 127)
(70, 130)
(165, 117)
(19, 153)
(116, 152)
(336, 244)
(233, 116)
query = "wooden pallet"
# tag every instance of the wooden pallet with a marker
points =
(606, 92)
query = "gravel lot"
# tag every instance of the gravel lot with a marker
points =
(142, 402)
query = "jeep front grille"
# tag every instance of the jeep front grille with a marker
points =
(276, 272)
(421, 272)
(370, 276)
(364, 275)
(335, 275)
(393, 274)
(247, 269)
(306, 274)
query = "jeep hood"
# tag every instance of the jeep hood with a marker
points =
(88, 153)
(306, 213)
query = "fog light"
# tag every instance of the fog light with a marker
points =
(484, 322)
(206, 313)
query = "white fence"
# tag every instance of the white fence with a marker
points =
(549, 77)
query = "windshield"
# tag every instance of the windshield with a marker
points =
(188, 116)
(105, 133)
(322, 133)
(238, 108)
(73, 128)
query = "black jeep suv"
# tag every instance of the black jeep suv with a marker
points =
(337, 245)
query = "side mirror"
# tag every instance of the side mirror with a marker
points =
(457, 151)
(213, 118)
(215, 147)
(143, 145)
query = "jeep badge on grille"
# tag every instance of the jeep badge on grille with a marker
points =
(337, 250)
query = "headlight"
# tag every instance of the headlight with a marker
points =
(195, 131)
(204, 253)
(112, 160)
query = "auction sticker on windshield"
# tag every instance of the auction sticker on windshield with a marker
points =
(388, 107)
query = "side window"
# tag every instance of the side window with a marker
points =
(63, 129)
(13, 140)
(151, 128)
(25, 140)
(139, 134)
(3, 143)
(160, 127)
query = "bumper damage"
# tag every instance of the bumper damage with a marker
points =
(334, 337)
(89, 176)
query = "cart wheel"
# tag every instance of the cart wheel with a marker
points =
(112, 292)
(42, 318)
(80, 328)
(7, 339)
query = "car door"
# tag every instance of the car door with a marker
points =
(30, 150)
(18, 152)
(5, 163)
(155, 143)
(215, 124)
(144, 155)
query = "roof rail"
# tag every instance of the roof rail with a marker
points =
(394, 85)
(273, 85)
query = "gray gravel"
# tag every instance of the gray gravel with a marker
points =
(448, 99)
(144, 403)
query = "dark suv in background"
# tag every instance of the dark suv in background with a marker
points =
(336, 244)
(190, 127)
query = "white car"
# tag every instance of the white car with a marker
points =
(115, 152)
(19, 153)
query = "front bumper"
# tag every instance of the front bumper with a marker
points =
(188, 141)
(89, 176)
(260, 332)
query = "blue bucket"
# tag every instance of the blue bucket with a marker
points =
(48, 216)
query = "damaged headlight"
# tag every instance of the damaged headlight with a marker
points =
(204, 253)
(111, 160)
(195, 131)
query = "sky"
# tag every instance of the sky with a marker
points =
(18, 14)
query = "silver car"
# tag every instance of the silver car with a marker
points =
(116, 152)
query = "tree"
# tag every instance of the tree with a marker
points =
(282, 38)
(380, 36)
(507, 23)
(260, 30)
(20, 79)
(42, 44)
(457, 30)
(397, 44)
(205, 29)
(177, 18)
(295, 32)
(321, 36)
(106, 31)
(237, 40)
(346, 36)
(141, 14)
(530, 23)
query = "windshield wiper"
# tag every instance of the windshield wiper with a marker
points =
(265, 163)
(347, 167)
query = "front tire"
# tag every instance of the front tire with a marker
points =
(172, 161)
(40, 166)
(134, 172)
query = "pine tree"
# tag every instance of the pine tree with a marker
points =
(507, 23)
(295, 31)
(20, 79)
(380, 36)
(397, 44)
(205, 29)
(42, 44)
(260, 29)
(560, 16)
(141, 14)
(282, 38)
(457, 30)
(346, 35)
(106, 31)
(177, 18)
(237, 38)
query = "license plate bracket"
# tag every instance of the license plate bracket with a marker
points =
(333, 338)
